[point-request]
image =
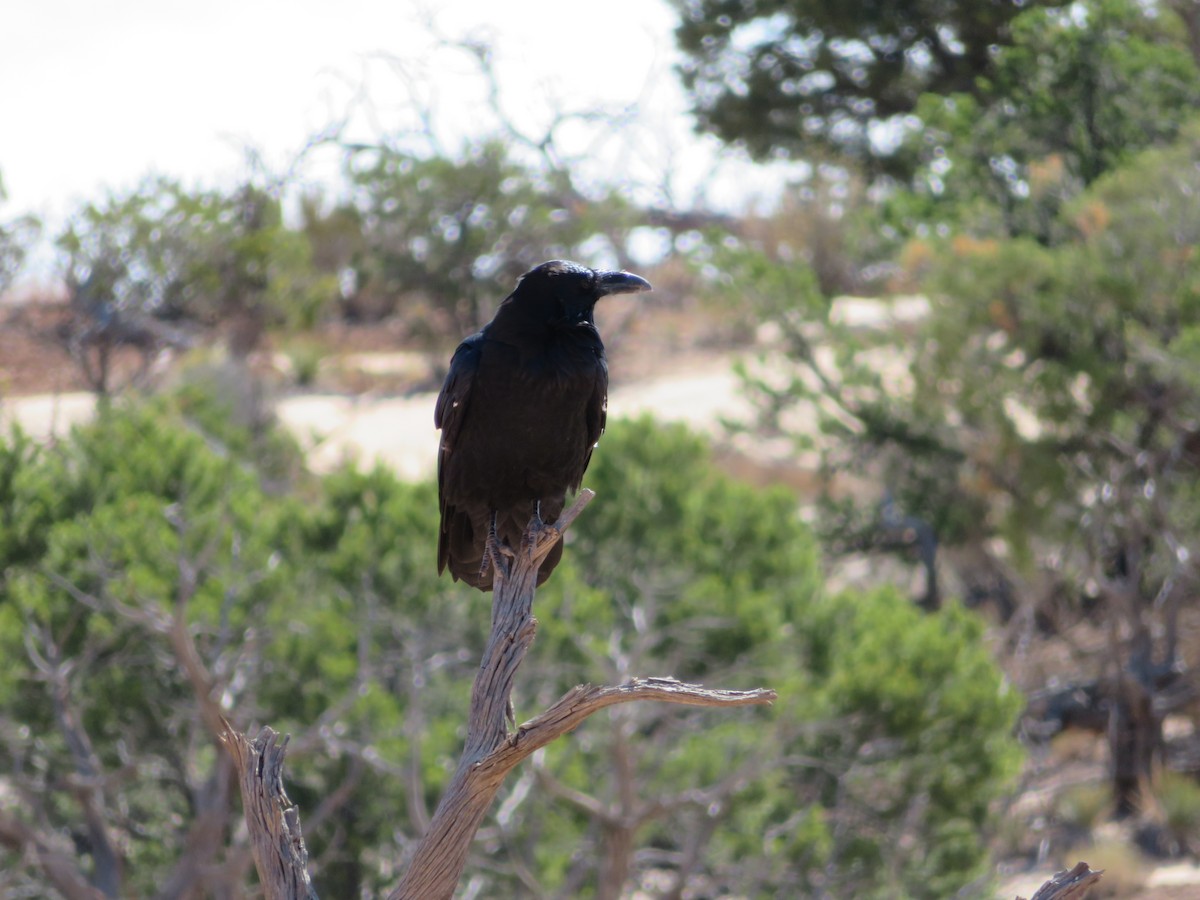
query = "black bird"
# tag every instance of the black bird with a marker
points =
(523, 405)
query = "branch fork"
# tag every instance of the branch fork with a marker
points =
(490, 752)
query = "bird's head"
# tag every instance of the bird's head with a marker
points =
(562, 292)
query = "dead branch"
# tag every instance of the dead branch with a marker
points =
(273, 822)
(89, 771)
(1070, 884)
(582, 701)
(490, 750)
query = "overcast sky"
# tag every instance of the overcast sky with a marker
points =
(95, 95)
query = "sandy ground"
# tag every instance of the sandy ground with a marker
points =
(398, 432)
(39, 389)
(44, 416)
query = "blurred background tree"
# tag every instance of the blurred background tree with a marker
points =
(1024, 432)
(1078, 91)
(150, 586)
(719, 582)
(444, 238)
(1038, 426)
(149, 266)
(16, 236)
(818, 79)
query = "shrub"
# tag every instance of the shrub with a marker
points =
(1083, 807)
(1179, 798)
(319, 610)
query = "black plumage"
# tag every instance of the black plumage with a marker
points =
(522, 407)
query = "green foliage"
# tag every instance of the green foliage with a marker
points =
(306, 356)
(1041, 421)
(141, 518)
(1089, 342)
(1083, 807)
(21, 524)
(1179, 796)
(701, 574)
(800, 77)
(987, 117)
(227, 405)
(16, 236)
(1077, 93)
(320, 611)
(100, 525)
(713, 580)
(445, 238)
(1034, 361)
(771, 289)
(925, 721)
(195, 255)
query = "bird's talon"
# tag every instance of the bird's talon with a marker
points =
(497, 555)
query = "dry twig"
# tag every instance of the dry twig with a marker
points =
(273, 822)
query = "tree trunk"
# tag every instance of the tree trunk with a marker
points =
(1135, 744)
(618, 856)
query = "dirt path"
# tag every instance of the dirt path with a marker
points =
(44, 416)
(398, 431)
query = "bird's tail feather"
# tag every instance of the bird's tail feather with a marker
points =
(463, 538)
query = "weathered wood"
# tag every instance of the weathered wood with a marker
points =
(490, 752)
(1069, 884)
(442, 853)
(273, 822)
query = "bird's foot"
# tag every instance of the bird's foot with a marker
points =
(540, 537)
(497, 555)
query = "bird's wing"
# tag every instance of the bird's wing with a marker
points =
(597, 417)
(456, 391)
(448, 415)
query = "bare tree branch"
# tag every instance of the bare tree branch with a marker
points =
(442, 853)
(1070, 884)
(273, 822)
(491, 752)
(580, 702)
(88, 786)
(58, 863)
(205, 838)
(186, 652)
(585, 803)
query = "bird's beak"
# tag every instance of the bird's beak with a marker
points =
(620, 283)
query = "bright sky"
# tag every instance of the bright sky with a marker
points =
(95, 95)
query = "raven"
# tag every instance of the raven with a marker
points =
(522, 407)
